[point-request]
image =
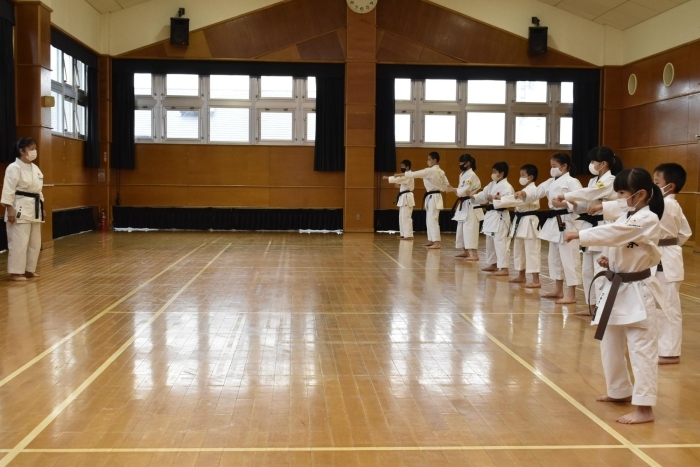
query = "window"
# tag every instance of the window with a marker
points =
(143, 124)
(276, 126)
(229, 124)
(280, 87)
(311, 126)
(483, 113)
(182, 85)
(69, 90)
(229, 87)
(311, 87)
(143, 84)
(182, 124)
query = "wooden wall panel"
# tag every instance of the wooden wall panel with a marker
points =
(158, 164)
(612, 121)
(360, 83)
(228, 196)
(359, 202)
(357, 160)
(669, 122)
(308, 197)
(294, 167)
(326, 47)
(222, 165)
(153, 195)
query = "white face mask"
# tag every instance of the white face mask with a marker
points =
(31, 155)
(555, 172)
(524, 181)
(663, 190)
(494, 177)
(592, 169)
(624, 207)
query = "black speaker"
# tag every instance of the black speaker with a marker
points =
(537, 41)
(180, 31)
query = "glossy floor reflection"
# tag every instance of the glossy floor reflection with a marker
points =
(165, 349)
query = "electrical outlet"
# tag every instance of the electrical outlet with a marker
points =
(358, 217)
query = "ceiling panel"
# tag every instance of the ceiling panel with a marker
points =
(108, 6)
(620, 14)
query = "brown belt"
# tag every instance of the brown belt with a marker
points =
(668, 242)
(616, 278)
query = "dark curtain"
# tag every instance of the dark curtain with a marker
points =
(123, 121)
(91, 157)
(208, 67)
(385, 140)
(8, 120)
(73, 221)
(329, 150)
(76, 50)
(586, 122)
(576, 75)
(388, 219)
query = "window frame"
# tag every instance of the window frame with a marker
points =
(276, 142)
(166, 138)
(412, 134)
(73, 92)
(440, 112)
(229, 143)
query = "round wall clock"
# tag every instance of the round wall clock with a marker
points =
(362, 6)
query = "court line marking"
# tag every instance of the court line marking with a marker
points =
(593, 417)
(46, 352)
(389, 256)
(14, 452)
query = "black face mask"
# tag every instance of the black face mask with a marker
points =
(463, 167)
(403, 169)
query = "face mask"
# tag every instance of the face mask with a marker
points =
(403, 169)
(663, 190)
(31, 155)
(555, 172)
(524, 181)
(592, 169)
(463, 167)
(494, 177)
(624, 207)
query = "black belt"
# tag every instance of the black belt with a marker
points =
(668, 242)
(458, 204)
(425, 196)
(519, 216)
(38, 203)
(401, 193)
(491, 208)
(616, 278)
(554, 213)
(593, 220)
(660, 267)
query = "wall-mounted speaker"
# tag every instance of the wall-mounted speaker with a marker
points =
(180, 31)
(537, 41)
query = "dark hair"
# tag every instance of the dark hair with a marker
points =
(605, 154)
(468, 158)
(22, 143)
(530, 170)
(673, 173)
(501, 167)
(636, 179)
(407, 163)
(434, 156)
(564, 158)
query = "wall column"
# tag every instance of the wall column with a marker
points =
(104, 85)
(33, 59)
(360, 106)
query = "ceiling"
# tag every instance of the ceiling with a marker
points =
(108, 6)
(620, 14)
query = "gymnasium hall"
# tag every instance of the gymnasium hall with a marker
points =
(217, 265)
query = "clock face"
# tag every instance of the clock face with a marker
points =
(362, 6)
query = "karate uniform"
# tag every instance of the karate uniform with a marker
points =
(564, 258)
(630, 246)
(496, 224)
(526, 243)
(405, 203)
(467, 215)
(673, 225)
(23, 236)
(434, 179)
(599, 189)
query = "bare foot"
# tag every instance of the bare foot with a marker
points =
(517, 280)
(586, 313)
(434, 246)
(17, 278)
(607, 398)
(491, 268)
(428, 244)
(501, 272)
(533, 285)
(669, 360)
(554, 294)
(31, 275)
(463, 255)
(407, 238)
(566, 301)
(472, 258)
(400, 237)
(643, 414)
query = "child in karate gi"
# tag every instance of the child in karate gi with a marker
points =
(405, 201)
(626, 312)
(466, 213)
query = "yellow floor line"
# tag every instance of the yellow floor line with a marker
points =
(594, 418)
(46, 352)
(389, 256)
(14, 452)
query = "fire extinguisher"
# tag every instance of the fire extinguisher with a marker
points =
(103, 221)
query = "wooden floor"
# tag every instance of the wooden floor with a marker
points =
(184, 349)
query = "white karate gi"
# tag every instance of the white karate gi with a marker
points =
(23, 236)
(434, 179)
(405, 204)
(564, 258)
(599, 189)
(673, 225)
(467, 216)
(630, 246)
(496, 224)
(526, 243)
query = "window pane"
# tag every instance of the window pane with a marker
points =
(530, 130)
(81, 77)
(440, 128)
(229, 87)
(486, 92)
(277, 86)
(143, 84)
(68, 69)
(68, 115)
(143, 122)
(231, 125)
(440, 90)
(402, 128)
(567, 93)
(276, 126)
(56, 111)
(311, 88)
(81, 120)
(486, 128)
(402, 89)
(54, 63)
(531, 91)
(182, 124)
(182, 85)
(566, 129)
(311, 126)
